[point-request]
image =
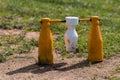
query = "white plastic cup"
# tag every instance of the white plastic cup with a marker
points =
(71, 36)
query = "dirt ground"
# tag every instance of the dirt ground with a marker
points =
(24, 67)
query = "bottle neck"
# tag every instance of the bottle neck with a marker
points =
(71, 27)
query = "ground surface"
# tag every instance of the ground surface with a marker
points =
(24, 67)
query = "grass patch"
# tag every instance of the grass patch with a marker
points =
(12, 44)
(2, 58)
(118, 69)
(114, 78)
(26, 46)
(8, 51)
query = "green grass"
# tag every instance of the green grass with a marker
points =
(117, 70)
(2, 58)
(26, 15)
(11, 44)
(113, 75)
(113, 78)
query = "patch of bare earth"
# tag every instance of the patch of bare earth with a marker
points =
(24, 67)
(9, 32)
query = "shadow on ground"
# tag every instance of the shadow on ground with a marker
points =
(36, 69)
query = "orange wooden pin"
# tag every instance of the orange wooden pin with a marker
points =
(45, 50)
(95, 42)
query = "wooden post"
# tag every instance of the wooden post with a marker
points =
(95, 43)
(45, 50)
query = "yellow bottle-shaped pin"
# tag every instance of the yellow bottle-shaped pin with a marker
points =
(95, 43)
(45, 50)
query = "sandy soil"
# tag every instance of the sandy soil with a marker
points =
(24, 67)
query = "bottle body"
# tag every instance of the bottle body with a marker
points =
(71, 39)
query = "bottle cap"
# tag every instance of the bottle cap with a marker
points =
(72, 20)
